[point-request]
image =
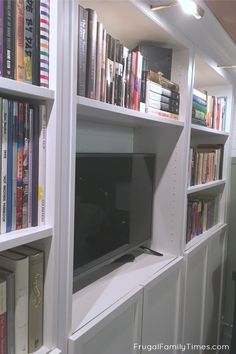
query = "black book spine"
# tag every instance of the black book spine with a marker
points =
(82, 51)
(9, 39)
(91, 54)
(36, 44)
(35, 166)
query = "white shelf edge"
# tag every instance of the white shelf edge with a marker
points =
(202, 187)
(42, 350)
(121, 115)
(207, 130)
(22, 89)
(124, 279)
(197, 240)
(20, 237)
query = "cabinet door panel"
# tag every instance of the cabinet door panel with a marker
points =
(195, 279)
(213, 289)
(161, 309)
(114, 332)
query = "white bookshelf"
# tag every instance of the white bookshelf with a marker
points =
(79, 124)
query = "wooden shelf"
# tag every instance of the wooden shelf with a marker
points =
(21, 237)
(204, 236)
(205, 186)
(101, 112)
(22, 89)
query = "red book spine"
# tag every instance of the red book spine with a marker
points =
(3, 333)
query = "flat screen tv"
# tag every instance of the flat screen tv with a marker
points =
(113, 207)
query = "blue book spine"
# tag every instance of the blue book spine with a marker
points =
(9, 166)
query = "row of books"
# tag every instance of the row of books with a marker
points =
(21, 300)
(205, 164)
(202, 214)
(24, 40)
(108, 71)
(22, 164)
(209, 111)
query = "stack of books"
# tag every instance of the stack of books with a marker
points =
(24, 41)
(110, 72)
(160, 96)
(21, 300)
(199, 108)
(202, 214)
(22, 164)
(205, 164)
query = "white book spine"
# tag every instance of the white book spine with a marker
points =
(4, 166)
(42, 164)
(21, 270)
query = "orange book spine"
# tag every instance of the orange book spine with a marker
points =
(19, 75)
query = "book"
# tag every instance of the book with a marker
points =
(19, 30)
(103, 66)
(28, 39)
(91, 54)
(3, 317)
(161, 113)
(42, 164)
(158, 59)
(14, 162)
(20, 154)
(9, 39)
(1, 35)
(25, 178)
(9, 165)
(19, 264)
(200, 94)
(44, 42)
(9, 277)
(4, 165)
(82, 51)
(36, 43)
(36, 296)
(30, 165)
(99, 60)
(158, 78)
(35, 165)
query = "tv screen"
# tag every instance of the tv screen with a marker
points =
(113, 206)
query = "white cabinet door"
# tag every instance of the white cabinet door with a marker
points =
(161, 310)
(113, 332)
(215, 256)
(195, 284)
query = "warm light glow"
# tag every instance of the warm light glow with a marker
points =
(191, 8)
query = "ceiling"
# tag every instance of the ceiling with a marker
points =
(225, 12)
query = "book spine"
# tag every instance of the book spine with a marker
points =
(1, 35)
(4, 166)
(9, 39)
(36, 43)
(19, 40)
(91, 54)
(19, 188)
(3, 317)
(99, 60)
(103, 68)
(31, 117)
(36, 296)
(9, 167)
(82, 51)
(42, 164)
(14, 162)
(28, 40)
(1, 113)
(21, 270)
(25, 167)
(35, 166)
(44, 42)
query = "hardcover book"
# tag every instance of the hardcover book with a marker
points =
(82, 51)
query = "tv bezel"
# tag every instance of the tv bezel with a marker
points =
(114, 255)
